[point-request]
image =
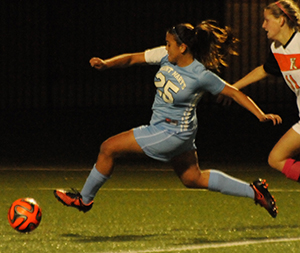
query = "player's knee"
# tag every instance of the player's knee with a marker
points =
(191, 181)
(273, 161)
(107, 148)
(188, 183)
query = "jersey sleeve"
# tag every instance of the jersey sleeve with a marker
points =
(154, 56)
(271, 65)
(211, 82)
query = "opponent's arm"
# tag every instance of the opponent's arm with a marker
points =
(120, 61)
(248, 103)
(254, 76)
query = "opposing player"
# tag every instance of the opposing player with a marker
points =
(182, 79)
(282, 23)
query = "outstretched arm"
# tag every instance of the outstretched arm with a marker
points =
(255, 75)
(248, 103)
(120, 61)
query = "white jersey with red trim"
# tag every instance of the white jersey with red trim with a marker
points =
(288, 59)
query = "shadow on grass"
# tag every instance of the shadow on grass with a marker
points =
(181, 234)
(117, 238)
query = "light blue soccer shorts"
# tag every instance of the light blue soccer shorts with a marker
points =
(163, 144)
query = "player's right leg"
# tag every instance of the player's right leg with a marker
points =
(110, 149)
(187, 168)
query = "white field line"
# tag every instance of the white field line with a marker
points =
(210, 246)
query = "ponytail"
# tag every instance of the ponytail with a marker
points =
(213, 44)
(207, 42)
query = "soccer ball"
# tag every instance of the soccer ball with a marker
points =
(24, 215)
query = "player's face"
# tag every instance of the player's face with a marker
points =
(271, 25)
(172, 48)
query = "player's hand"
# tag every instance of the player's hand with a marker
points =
(276, 119)
(224, 100)
(98, 63)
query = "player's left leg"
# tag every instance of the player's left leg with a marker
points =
(110, 149)
(114, 147)
(187, 168)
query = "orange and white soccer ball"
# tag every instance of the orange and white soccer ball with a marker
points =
(24, 215)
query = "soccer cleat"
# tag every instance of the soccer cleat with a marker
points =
(73, 199)
(263, 197)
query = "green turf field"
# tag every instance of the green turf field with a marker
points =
(144, 208)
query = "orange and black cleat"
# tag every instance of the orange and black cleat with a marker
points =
(73, 199)
(263, 197)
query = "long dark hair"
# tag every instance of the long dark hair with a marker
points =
(207, 42)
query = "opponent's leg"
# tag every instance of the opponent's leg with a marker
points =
(286, 148)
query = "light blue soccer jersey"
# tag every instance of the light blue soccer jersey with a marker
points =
(179, 89)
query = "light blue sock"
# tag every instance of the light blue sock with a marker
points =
(220, 182)
(92, 185)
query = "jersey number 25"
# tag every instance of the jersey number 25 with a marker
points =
(167, 88)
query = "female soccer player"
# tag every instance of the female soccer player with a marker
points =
(182, 79)
(282, 23)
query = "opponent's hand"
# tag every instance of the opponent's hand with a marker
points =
(276, 119)
(224, 100)
(98, 63)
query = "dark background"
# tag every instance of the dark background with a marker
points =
(56, 109)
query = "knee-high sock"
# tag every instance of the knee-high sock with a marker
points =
(220, 182)
(291, 169)
(92, 185)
